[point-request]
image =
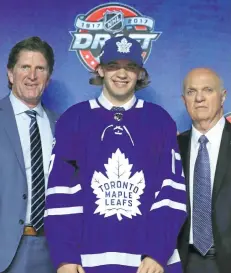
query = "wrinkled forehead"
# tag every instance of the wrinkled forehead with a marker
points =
(25, 56)
(201, 79)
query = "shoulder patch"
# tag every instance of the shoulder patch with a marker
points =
(140, 103)
(94, 104)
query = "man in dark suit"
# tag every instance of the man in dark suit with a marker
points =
(26, 134)
(205, 240)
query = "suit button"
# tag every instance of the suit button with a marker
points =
(21, 222)
(24, 196)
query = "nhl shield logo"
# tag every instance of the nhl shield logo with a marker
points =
(113, 21)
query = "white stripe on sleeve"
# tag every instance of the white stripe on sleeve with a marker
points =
(63, 190)
(63, 211)
(168, 203)
(173, 184)
(175, 258)
(118, 258)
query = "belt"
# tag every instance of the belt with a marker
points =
(211, 252)
(30, 231)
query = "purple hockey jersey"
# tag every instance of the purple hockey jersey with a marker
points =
(116, 189)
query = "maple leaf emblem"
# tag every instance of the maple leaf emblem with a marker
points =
(123, 46)
(118, 193)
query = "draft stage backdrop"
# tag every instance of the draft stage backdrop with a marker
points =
(176, 36)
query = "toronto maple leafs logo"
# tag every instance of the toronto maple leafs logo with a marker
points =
(123, 46)
(118, 193)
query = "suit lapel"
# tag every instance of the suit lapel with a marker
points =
(223, 160)
(7, 118)
(185, 144)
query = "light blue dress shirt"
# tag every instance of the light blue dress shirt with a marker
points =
(23, 124)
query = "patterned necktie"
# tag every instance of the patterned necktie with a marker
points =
(37, 173)
(117, 108)
(202, 200)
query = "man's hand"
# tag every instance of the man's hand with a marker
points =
(148, 265)
(70, 268)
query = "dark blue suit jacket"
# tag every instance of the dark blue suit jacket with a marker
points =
(221, 201)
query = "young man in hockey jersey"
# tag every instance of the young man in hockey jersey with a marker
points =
(116, 193)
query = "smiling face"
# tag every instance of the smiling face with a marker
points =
(204, 96)
(119, 79)
(29, 77)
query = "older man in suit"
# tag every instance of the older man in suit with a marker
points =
(26, 134)
(205, 240)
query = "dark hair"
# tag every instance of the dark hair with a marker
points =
(140, 84)
(31, 44)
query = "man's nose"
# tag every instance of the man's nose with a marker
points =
(199, 96)
(122, 72)
(32, 74)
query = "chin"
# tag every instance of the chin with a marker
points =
(123, 95)
(31, 99)
(202, 117)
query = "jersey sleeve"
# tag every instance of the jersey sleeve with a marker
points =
(64, 196)
(168, 205)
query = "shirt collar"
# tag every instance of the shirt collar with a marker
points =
(19, 107)
(213, 134)
(108, 105)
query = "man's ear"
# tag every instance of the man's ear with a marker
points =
(100, 71)
(224, 92)
(10, 75)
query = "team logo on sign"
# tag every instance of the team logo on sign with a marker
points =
(228, 116)
(113, 21)
(106, 21)
(118, 192)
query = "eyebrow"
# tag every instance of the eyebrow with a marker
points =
(39, 65)
(129, 64)
(210, 87)
(190, 88)
(132, 64)
(112, 63)
(194, 88)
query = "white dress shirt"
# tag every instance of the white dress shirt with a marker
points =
(108, 105)
(23, 124)
(214, 140)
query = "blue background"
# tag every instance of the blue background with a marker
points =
(194, 33)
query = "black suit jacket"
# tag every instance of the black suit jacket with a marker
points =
(221, 201)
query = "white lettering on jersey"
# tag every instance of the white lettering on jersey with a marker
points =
(176, 156)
